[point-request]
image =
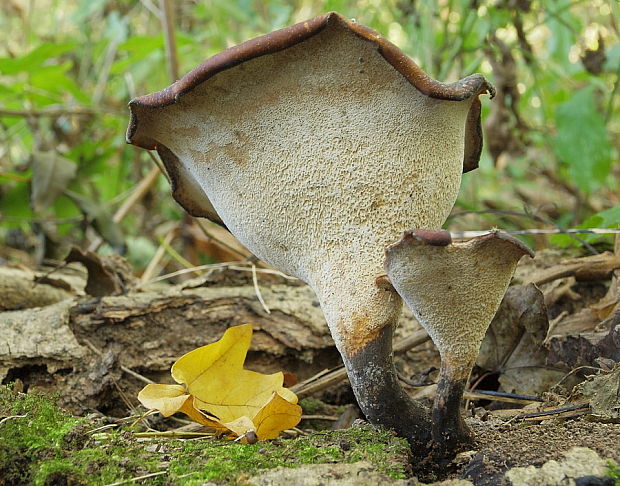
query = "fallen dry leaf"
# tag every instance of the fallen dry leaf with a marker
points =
(513, 346)
(216, 391)
(51, 175)
(170, 399)
(603, 394)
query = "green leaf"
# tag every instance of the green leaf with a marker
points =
(609, 218)
(14, 201)
(32, 61)
(56, 80)
(613, 58)
(604, 219)
(582, 142)
(136, 49)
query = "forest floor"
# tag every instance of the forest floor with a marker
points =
(90, 344)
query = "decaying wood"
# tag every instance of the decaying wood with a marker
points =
(22, 288)
(147, 331)
(38, 337)
(595, 267)
(140, 334)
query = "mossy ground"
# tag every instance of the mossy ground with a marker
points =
(42, 445)
(614, 472)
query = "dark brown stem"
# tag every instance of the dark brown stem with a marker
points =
(449, 429)
(380, 396)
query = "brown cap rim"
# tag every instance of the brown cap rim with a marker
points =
(281, 39)
(443, 238)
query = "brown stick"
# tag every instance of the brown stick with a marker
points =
(129, 371)
(324, 380)
(138, 193)
(586, 268)
(167, 21)
(58, 112)
(136, 196)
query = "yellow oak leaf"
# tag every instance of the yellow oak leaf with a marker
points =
(215, 390)
(277, 415)
(170, 399)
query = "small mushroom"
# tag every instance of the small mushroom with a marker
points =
(317, 146)
(454, 290)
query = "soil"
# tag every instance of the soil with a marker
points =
(499, 447)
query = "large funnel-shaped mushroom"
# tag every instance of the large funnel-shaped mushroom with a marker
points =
(454, 290)
(317, 146)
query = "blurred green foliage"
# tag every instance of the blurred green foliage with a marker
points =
(68, 69)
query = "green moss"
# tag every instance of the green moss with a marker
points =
(228, 460)
(32, 427)
(45, 424)
(311, 406)
(47, 446)
(42, 445)
(614, 471)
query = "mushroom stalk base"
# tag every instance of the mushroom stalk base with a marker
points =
(380, 396)
(449, 429)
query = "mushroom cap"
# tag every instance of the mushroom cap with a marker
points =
(185, 189)
(317, 146)
(454, 289)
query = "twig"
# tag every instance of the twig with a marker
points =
(263, 270)
(556, 411)
(136, 195)
(103, 428)
(576, 231)
(142, 418)
(313, 385)
(10, 417)
(424, 379)
(124, 368)
(58, 112)
(159, 254)
(319, 417)
(104, 73)
(138, 478)
(211, 266)
(415, 339)
(219, 242)
(575, 370)
(177, 256)
(183, 271)
(502, 396)
(469, 395)
(600, 265)
(151, 7)
(42, 220)
(475, 385)
(167, 22)
(173, 434)
(15, 177)
(257, 290)
(157, 161)
(324, 379)
(610, 104)
(533, 217)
